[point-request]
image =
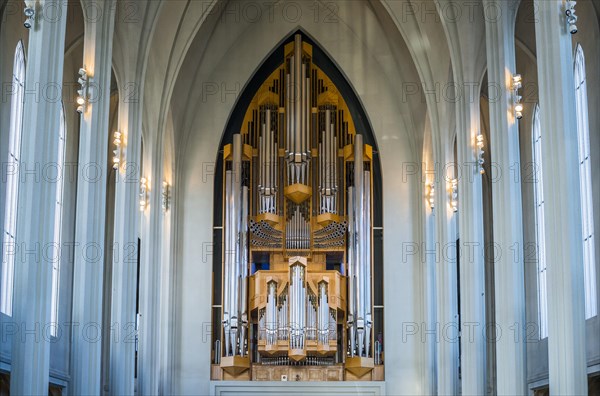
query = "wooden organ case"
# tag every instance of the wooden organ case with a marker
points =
(297, 235)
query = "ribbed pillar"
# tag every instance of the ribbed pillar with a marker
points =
(150, 277)
(127, 218)
(506, 193)
(445, 281)
(37, 201)
(562, 205)
(466, 39)
(91, 205)
(472, 265)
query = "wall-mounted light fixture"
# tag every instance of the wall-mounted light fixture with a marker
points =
(517, 84)
(571, 17)
(454, 196)
(480, 151)
(165, 196)
(432, 196)
(83, 92)
(144, 197)
(29, 12)
(117, 151)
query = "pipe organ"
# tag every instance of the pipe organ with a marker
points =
(297, 271)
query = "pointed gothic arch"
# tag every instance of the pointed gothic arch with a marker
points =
(327, 85)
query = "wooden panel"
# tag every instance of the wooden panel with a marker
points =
(335, 374)
(378, 373)
(216, 373)
(301, 373)
(245, 376)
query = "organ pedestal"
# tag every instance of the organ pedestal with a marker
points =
(297, 268)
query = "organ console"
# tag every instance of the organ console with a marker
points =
(297, 255)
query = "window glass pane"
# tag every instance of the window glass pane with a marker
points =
(57, 225)
(540, 224)
(585, 179)
(12, 182)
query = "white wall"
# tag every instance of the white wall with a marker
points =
(589, 38)
(361, 50)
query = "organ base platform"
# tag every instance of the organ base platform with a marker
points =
(259, 372)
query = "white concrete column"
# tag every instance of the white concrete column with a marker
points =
(472, 263)
(127, 218)
(562, 205)
(150, 277)
(506, 192)
(37, 201)
(466, 39)
(445, 279)
(91, 203)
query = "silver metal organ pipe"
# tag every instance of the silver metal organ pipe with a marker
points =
(275, 167)
(244, 270)
(299, 305)
(321, 181)
(292, 124)
(302, 308)
(285, 316)
(293, 233)
(307, 235)
(271, 312)
(333, 169)
(297, 96)
(268, 149)
(327, 152)
(261, 169)
(351, 273)
(295, 304)
(291, 307)
(359, 249)
(303, 126)
(367, 261)
(236, 226)
(288, 122)
(323, 314)
(307, 114)
(228, 261)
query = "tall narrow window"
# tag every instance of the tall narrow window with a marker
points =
(539, 225)
(12, 180)
(585, 182)
(57, 222)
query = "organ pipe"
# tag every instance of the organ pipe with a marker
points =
(367, 261)
(297, 99)
(351, 274)
(322, 215)
(268, 158)
(360, 243)
(360, 252)
(323, 314)
(244, 271)
(227, 264)
(236, 256)
(271, 313)
(328, 174)
(297, 306)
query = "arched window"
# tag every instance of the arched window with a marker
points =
(12, 180)
(539, 225)
(585, 182)
(58, 222)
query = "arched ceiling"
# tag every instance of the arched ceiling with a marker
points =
(176, 52)
(237, 48)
